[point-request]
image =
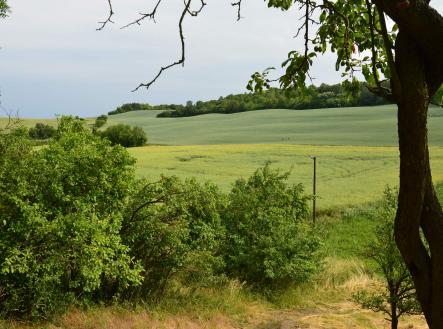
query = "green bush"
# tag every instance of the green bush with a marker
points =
(41, 131)
(268, 242)
(78, 228)
(125, 135)
(61, 213)
(174, 230)
(100, 121)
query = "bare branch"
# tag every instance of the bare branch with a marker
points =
(181, 61)
(238, 5)
(109, 19)
(198, 11)
(150, 15)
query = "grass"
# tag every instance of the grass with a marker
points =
(348, 235)
(346, 175)
(363, 126)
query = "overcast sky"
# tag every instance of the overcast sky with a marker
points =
(53, 61)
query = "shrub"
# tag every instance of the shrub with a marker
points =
(268, 242)
(61, 212)
(397, 295)
(125, 135)
(41, 131)
(100, 121)
(174, 230)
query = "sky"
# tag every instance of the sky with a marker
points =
(53, 61)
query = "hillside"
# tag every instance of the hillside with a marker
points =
(363, 126)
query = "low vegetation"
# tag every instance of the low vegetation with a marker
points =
(79, 229)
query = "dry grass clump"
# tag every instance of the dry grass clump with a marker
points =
(349, 274)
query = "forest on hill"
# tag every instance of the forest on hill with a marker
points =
(312, 97)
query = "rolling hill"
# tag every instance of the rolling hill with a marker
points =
(362, 126)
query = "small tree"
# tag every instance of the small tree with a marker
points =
(100, 121)
(125, 135)
(398, 294)
(42, 131)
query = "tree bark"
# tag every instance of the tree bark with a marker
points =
(418, 206)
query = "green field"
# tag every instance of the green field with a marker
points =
(363, 126)
(356, 148)
(346, 174)
(353, 167)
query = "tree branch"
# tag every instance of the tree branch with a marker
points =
(198, 11)
(395, 80)
(238, 5)
(150, 15)
(108, 20)
(181, 61)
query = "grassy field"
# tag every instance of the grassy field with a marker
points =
(222, 148)
(363, 126)
(360, 126)
(345, 174)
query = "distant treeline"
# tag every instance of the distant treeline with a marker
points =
(312, 97)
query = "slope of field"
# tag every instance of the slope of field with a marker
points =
(365, 126)
(345, 175)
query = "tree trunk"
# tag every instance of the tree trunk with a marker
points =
(418, 206)
(394, 322)
(394, 316)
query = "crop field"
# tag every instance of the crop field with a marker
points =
(345, 174)
(362, 126)
(356, 148)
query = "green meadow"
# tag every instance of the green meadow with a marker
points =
(361, 126)
(345, 174)
(355, 147)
